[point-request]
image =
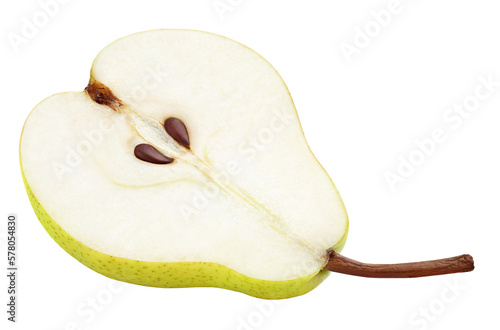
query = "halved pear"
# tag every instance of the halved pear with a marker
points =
(183, 164)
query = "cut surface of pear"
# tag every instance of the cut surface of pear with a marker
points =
(183, 163)
(247, 194)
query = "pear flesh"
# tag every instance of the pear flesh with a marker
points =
(246, 194)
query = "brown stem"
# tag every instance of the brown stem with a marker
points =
(340, 264)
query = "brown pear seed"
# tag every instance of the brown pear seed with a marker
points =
(150, 154)
(177, 130)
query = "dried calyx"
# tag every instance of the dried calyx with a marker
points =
(101, 94)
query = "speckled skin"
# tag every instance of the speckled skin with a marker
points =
(174, 274)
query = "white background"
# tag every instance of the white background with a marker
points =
(359, 116)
